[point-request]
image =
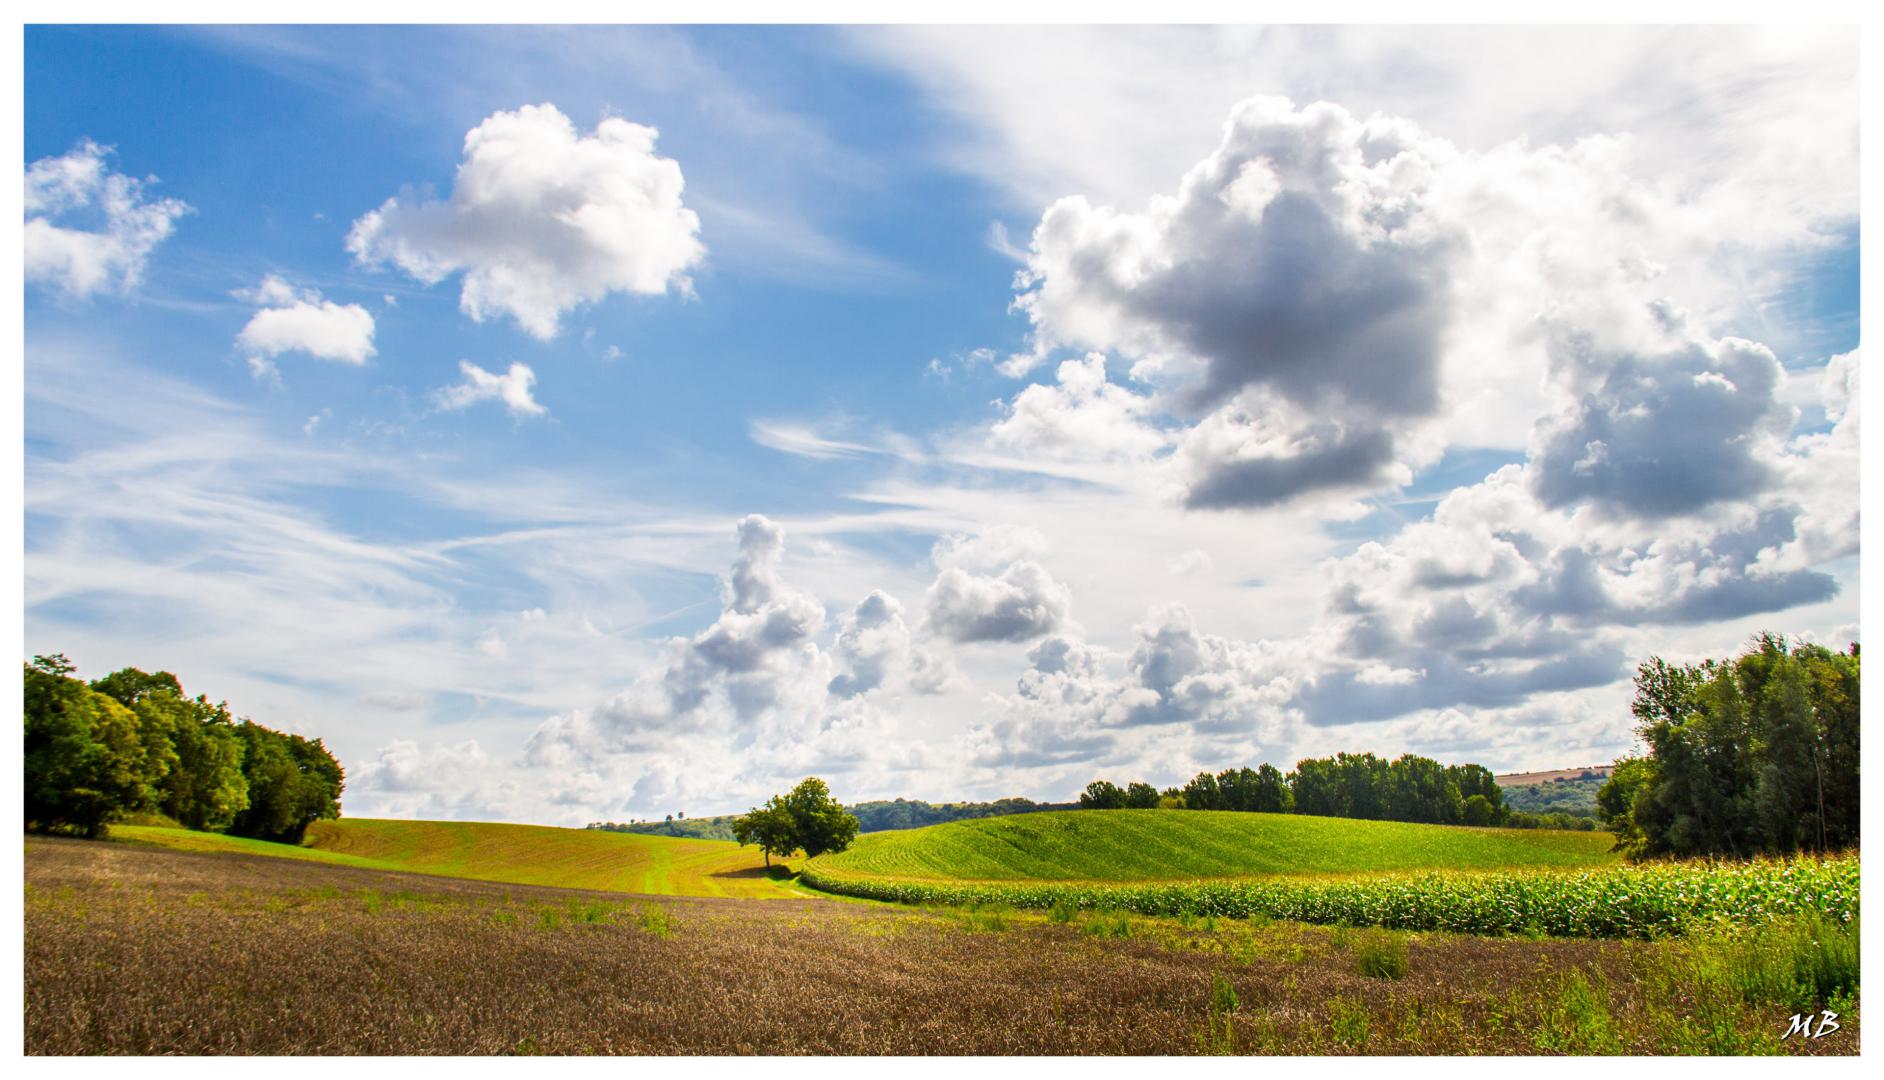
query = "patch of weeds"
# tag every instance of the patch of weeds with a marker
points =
(1796, 965)
(657, 920)
(1218, 1035)
(1381, 954)
(977, 919)
(370, 900)
(1578, 1020)
(1063, 911)
(526, 1047)
(1347, 1022)
(549, 919)
(503, 917)
(1340, 938)
(590, 911)
(1108, 924)
(1206, 924)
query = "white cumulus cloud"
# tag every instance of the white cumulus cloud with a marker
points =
(542, 219)
(299, 320)
(511, 388)
(88, 229)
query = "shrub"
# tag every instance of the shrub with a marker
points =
(1381, 955)
(1578, 1021)
(657, 920)
(1218, 1035)
(1109, 924)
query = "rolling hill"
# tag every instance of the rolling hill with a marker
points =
(1155, 845)
(515, 854)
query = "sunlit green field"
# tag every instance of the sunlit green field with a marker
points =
(1161, 845)
(516, 854)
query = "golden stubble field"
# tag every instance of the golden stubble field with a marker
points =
(132, 950)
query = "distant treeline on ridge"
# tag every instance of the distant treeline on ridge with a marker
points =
(1408, 788)
(132, 743)
(878, 816)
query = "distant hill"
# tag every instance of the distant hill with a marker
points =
(1524, 779)
(1152, 845)
(1560, 791)
(878, 816)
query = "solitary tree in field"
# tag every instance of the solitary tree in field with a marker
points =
(770, 827)
(805, 819)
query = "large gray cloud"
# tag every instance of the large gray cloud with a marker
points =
(1298, 257)
(1328, 458)
(1668, 434)
(1298, 269)
(992, 587)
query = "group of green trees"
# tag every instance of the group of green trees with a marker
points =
(1757, 753)
(1408, 788)
(805, 819)
(133, 743)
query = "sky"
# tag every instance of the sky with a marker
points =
(588, 424)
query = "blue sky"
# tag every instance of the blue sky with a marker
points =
(950, 413)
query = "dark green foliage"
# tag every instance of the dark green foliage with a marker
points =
(1478, 811)
(1272, 794)
(1102, 795)
(132, 743)
(293, 782)
(1616, 798)
(85, 762)
(1518, 819)
(1410, 788)
(1757, 753)
(208, 789)
(805, 818)
(768, 826)
(1202, 794)
(822, 823)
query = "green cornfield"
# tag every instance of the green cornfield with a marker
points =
(1644, 901)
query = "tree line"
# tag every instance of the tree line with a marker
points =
(134, 743)
(878, 815)
(1408, 788)
(1745, 755)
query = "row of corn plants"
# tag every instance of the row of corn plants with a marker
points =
(1648, 900)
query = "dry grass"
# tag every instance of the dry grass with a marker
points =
(132, 950)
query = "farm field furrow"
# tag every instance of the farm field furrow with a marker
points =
(1152, 845)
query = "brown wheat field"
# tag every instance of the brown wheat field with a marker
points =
(131, 950)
